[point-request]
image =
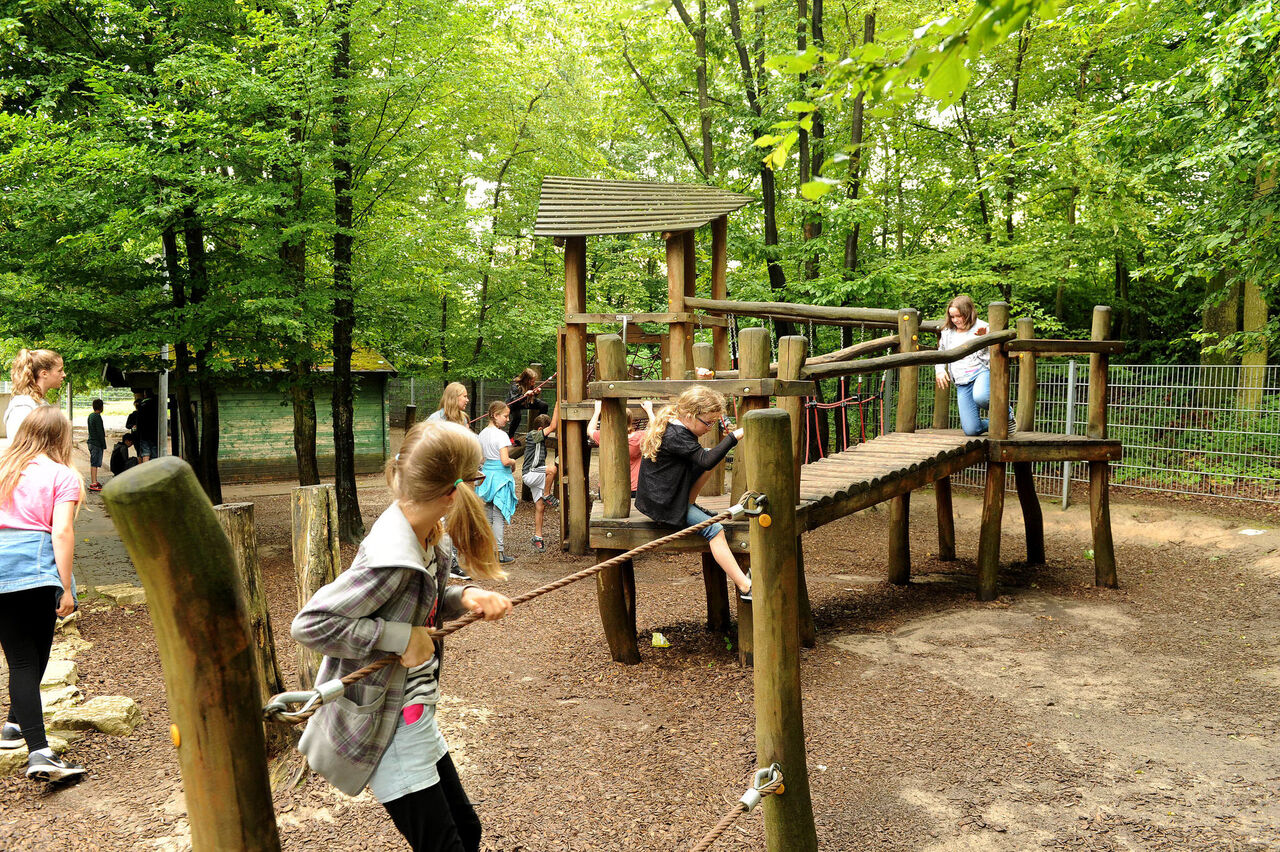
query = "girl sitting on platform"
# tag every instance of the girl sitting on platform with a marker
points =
(972, 373)
(383, 733)
(674, 467)
(498, 490)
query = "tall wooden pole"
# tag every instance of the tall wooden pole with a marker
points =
(208, 655)
(753, 363)
(792, 352)
(720, 290)
(675, 365)
(788, 817)
(942, 488)
(317, 559)
(993, 495)
(1104, 553)
(690, 280)
(704, 358)
(615, 587)
(574, 376)
(905, 421)
(1023, 479)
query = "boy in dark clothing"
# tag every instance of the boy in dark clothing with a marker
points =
(120, 458)
(97, 444)
(537, 474)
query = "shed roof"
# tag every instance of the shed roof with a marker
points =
(577, 207)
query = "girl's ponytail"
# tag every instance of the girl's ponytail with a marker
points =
(652, 441)
(472, 534)
(26, 370)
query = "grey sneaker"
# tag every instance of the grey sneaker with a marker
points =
(551, 500)
(11, 736)
(457, 573)
(51, 769)
(504, 559)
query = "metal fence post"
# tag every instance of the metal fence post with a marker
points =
(1070, 430)
(413, 396)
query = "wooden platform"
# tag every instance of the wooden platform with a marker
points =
(867, 474)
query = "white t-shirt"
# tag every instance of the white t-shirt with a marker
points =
(492, 440)
(967, 368)
(19, 407)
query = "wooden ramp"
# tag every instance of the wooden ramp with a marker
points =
(869, 473)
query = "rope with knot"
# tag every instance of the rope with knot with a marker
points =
(277, 709)
(768, 782)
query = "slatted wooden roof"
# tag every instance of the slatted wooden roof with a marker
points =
(578, 207)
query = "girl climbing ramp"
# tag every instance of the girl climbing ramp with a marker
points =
(383, 733)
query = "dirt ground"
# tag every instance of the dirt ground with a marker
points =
(1061, 716)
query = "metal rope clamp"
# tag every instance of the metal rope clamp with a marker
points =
(764, 778)
(310, 699)
(753, 504)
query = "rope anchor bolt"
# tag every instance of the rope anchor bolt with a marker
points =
(767, 781)
(278, 708)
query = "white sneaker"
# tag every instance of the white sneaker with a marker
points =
(11, 736)
(44, 768)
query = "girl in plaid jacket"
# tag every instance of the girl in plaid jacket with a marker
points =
(382, 732)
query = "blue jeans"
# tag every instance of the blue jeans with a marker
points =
(696, 515)
(970, 399)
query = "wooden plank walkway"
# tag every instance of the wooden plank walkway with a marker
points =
(866, 474)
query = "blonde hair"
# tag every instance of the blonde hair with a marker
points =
(45, 432)
(695, 402)
(450, 404)
(27, 368)
(495, 408)
(964, 304)
(433, 457)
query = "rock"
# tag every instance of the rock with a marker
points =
(59, 698)
(123, 594)
(69, 626)
(110, 714)
(14, 761)
(60, 673)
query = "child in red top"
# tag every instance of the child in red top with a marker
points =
(635, 437)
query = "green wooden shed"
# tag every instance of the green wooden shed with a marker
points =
(255, 418)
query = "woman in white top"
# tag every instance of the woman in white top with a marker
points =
(972, 373)
(35, 372)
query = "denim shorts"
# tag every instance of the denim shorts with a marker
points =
(146, 448)
(696, 515)
(95, 456)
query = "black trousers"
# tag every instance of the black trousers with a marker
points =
(439, 818)
(27, 619)
(535, 406)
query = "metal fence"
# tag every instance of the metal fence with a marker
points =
(425, 394)
(1212, 430)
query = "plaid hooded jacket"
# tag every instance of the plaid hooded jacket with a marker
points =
(363, 615)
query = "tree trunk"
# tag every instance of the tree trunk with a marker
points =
(852, 241)
(302, 395)
(350, 524)
(182, 354)
(971, 145)
(198, 277)
(1010, 181)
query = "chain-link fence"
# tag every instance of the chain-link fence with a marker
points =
(425, 394)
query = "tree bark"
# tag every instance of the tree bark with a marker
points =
(198, 278)
(1010, 180)
(855, 179)
(350, 524)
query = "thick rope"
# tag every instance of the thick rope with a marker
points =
(728, 819)
(459, 623)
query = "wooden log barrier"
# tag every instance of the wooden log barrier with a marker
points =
(788, 818)
(616, 586)
(793, 351)
(317, 559)
(410, 416)
(236, 520)
(208, 655)
(753, 363)
(998, 429)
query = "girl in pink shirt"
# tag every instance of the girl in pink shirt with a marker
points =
(39, 496)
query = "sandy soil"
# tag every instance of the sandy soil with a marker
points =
(1060, 716)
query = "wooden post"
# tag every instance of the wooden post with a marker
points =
(561, 476)
(993, 496)
(410, 416)
(704, 357)
(675, 364)
(1104, 554)
(1027, 385)
(317, 559)
(720, 290)
(718, 618)
(690, 289)
(1098, 374)
(615, 587)
(899, 571)
(792, 352)
(574, 376)
(942, 488)
(236, 520)
(198, 612)
(788, 818)
(753, 363)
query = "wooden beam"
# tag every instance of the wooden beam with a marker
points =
(792, 351)
(1046, 348)
(1026, 412)
(573, 376)
(1097, 427)
(753, 360)
(728, 387)
(664, 317)
(814, 312)
(675, 363)
(920, 358)
(1104, 552)
(720, 290)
